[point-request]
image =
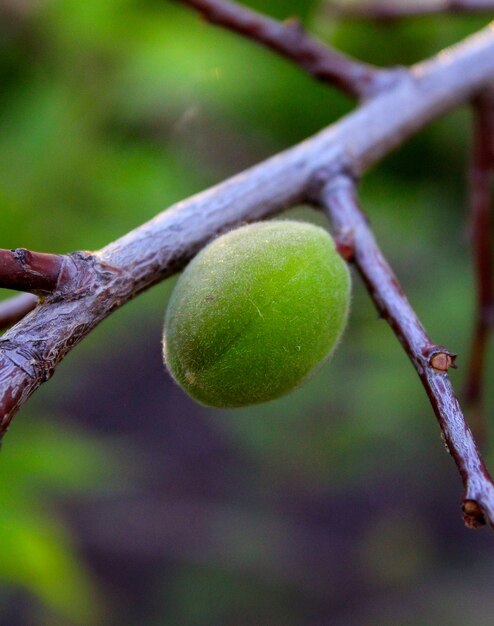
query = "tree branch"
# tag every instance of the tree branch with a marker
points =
(94, 285)
(24, 270)
(481, 177)
(14, 309)
(289, 39)
(389, 10)
(431, 361)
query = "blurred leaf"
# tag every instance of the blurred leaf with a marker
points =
(37, 555)
(43, 457)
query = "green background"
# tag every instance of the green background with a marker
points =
(122, 501)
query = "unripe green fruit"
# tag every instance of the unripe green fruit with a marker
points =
(255, 312)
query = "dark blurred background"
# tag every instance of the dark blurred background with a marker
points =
(122, 502)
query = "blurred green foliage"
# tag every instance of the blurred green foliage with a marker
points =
(112, 110)
(46, 460)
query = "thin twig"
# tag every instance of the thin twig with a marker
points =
(24, 270)
(290, 40)
(481, 177)
(14, 309)
(431, 361)
(390, 10)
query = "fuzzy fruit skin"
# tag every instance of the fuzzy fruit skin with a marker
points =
(255, 312)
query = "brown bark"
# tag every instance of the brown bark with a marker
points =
(24, 270)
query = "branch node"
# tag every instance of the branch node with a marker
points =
(328, 179)
(473, 515)
(345, 245)
(22, 255)
(439, 358)
(82, 273)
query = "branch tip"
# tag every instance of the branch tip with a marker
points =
(24, 270)
(14, 309)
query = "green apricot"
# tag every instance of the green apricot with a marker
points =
(255, 312)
